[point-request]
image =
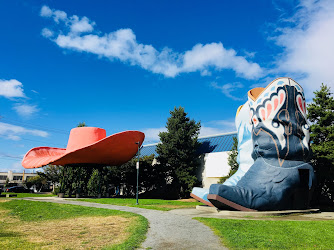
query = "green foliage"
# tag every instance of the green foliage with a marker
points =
(56, 190)
(155, 204)
(150, 178)
(74, 179)
(94, 184)
(81, 124)
(232, 161)
(38, 181)
(51, 173)
(7, 182)
(178, 157)
(321, 116)
(262, 234)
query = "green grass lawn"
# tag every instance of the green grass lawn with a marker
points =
(264, 234)
(43, 212)
(156, 204)
(24, 195)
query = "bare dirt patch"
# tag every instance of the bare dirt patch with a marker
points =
(4, 217)
(83, 232)
(188, 200)
(173, 206)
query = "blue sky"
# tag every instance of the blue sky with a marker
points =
(123, 65)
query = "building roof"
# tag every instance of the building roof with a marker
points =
(209, 144)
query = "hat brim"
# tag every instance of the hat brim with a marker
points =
(113, 150)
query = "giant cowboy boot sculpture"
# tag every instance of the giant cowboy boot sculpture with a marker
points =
(245, 148)
(281, 176)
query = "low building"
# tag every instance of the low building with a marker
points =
(18, 178)
(214, 152)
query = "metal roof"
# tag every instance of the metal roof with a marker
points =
(209, 144)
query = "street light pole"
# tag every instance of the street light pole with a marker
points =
(137, 167)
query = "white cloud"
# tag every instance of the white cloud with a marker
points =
(81, 25)
(207, 131)
(308, 42)
(13, 132)
(46, 11)
(152, 134)
(249, 54)
(11, 88)
(47, 33)
(201, 57)
(123, 45)
(15, 167)
(218, 127)
(228, 88)
(214, 128)
(57, 15)
(25, 110)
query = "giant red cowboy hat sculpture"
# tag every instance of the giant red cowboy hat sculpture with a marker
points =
(88, 145)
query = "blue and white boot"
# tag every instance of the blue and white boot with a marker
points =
(201, 194)
(281, 177)
(245, 148)
(245, 145)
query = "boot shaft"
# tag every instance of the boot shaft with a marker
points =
(280, 131)
(245, 144)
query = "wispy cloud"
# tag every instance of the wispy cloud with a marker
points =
(206, 131)
(228, 88)
(212, 128)
(15, 167)
(79, 34)
(217, 127)
(25, 110)
(11, 88)
(152, 134)
(307, 39)
(13, 132)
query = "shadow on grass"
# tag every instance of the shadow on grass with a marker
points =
(9, 234)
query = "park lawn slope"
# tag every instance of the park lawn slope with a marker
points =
(156, 204)
(25, 195)
(29, 224)
(265, 234)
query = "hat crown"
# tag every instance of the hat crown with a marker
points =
(84, 136)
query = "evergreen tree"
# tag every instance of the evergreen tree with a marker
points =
(94, 183)
(81, 124)
(178, 156)
(231, 161)
(321, 116)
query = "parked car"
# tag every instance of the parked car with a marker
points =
(17, 189)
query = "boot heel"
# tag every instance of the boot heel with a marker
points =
(301, 196)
